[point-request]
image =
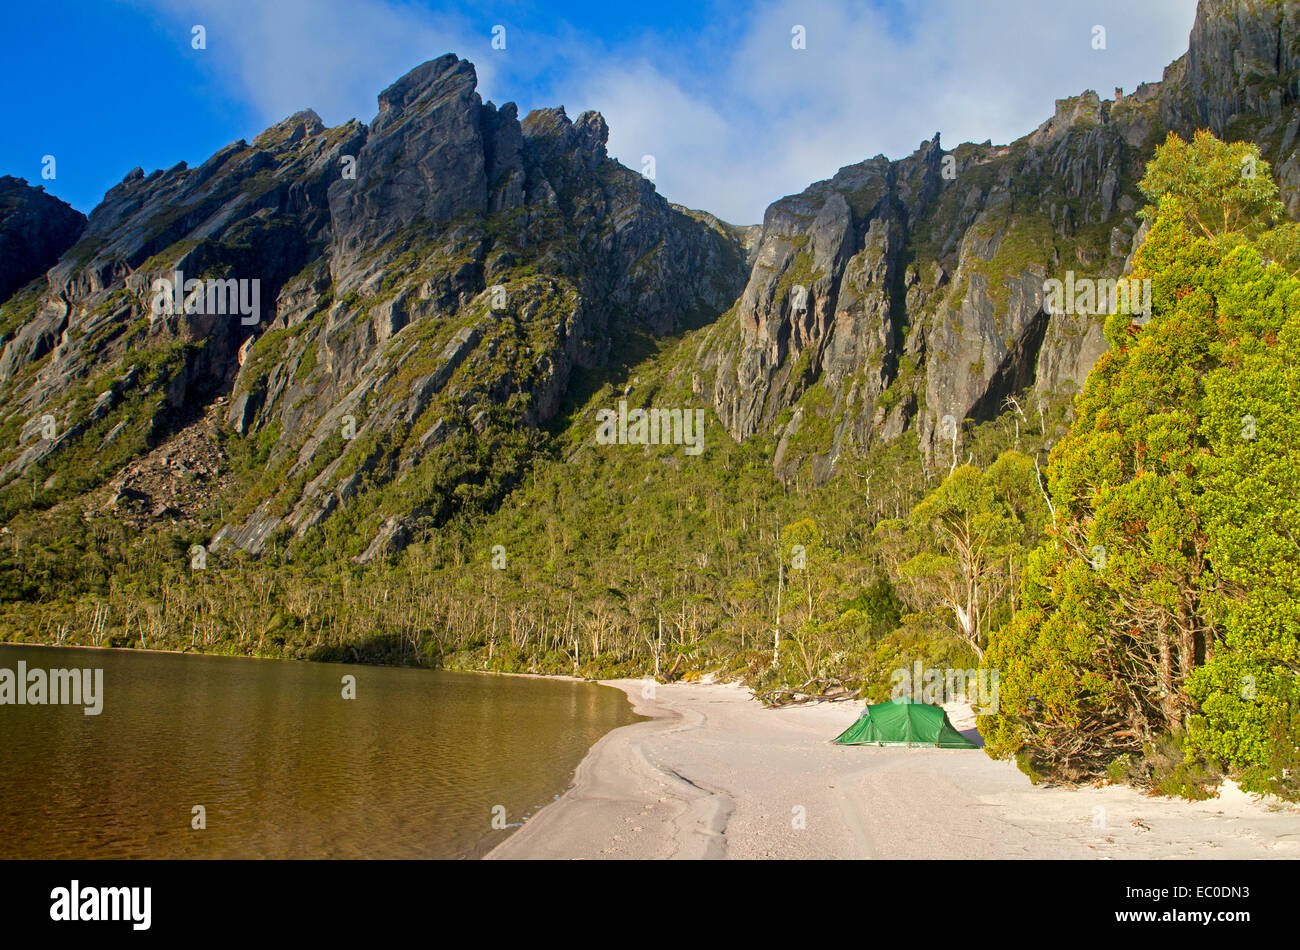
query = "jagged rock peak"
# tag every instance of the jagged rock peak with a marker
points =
(292, 130)
(592, 127)
(426, 83)
(909, 291)
(590, 132)
(35, 230)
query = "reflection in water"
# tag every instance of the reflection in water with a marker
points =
(284, 766)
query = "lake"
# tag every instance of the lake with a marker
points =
(417, 765)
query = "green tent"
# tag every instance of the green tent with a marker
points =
(903, 722)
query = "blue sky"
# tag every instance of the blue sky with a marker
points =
(734, 116)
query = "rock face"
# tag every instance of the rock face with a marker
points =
(427, 284)
(911, 290)
(1238, 79)
(386, 316)
(900, 294)
(423, 162)
(250, 213)
(35, 230)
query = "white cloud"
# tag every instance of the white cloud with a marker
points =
(334, 56)
(758, 119)
(735, 118)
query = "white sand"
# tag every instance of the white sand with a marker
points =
(715, 774)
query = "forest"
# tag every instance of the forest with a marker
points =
(1126, 561)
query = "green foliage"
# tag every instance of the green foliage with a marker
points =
(1143, 625)
(968, 539)
(1225, 190)
(1250, 507)
(655, 540)
(1164, 602)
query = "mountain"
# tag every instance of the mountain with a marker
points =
(428, 284)
(417, 310)
(35, 230)
(900, 292)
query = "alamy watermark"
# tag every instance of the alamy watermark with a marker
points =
(217, 296)
(935, 686)
(1087, 296)
(37, 687)
(75, 902)
(651, 427)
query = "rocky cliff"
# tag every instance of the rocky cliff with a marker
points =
(427, 287)
(908, 295)
(35, 230)
(386, 320)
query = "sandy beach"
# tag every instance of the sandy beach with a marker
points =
(715, 774)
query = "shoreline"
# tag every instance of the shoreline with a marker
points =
(599, 797)
(716, 774)
(166, 652)
(712, 773)
(564, 677)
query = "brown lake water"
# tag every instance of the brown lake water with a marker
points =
(284, 766)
